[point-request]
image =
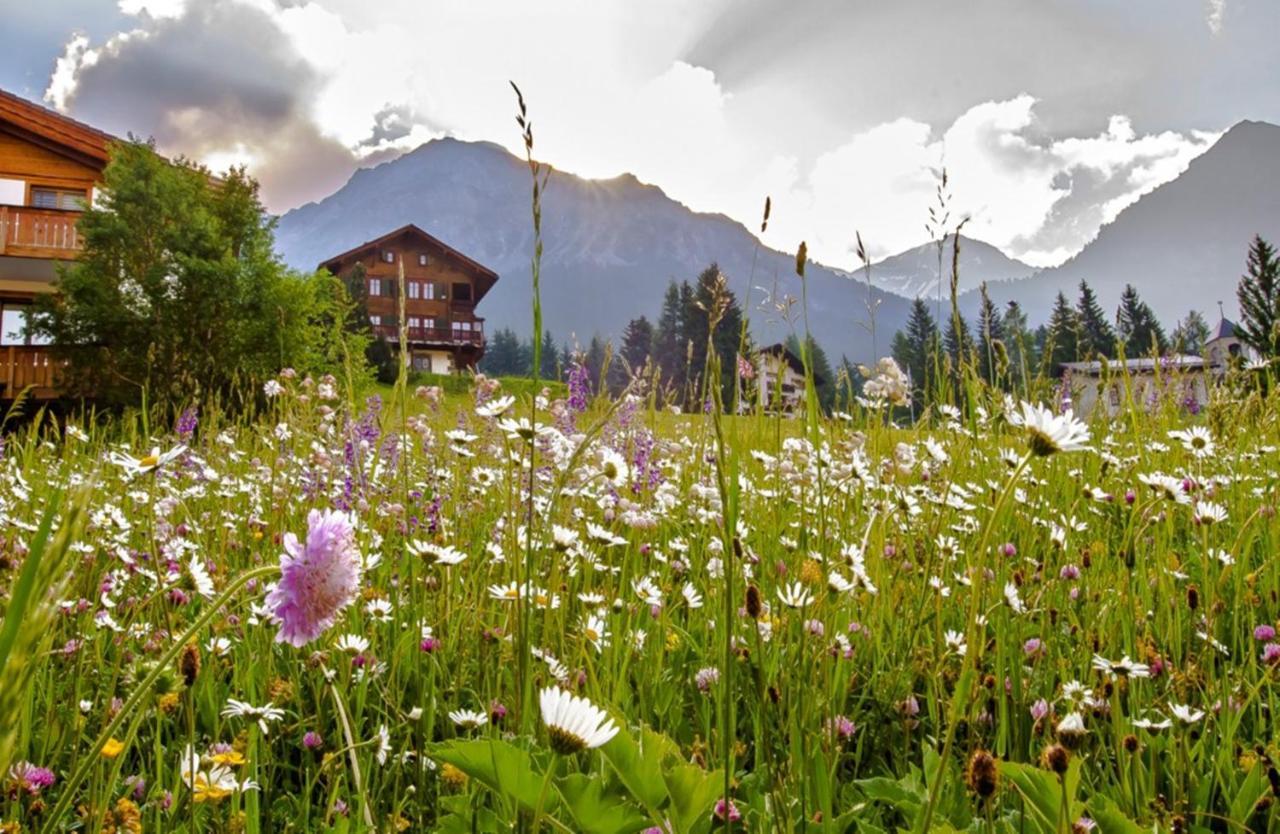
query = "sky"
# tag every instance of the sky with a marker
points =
(1049, 116)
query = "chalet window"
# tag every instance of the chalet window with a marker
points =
(414, 289)
(415, 323)
(389, 257)
(375, 287)
(375, 319)
(430, 290)
(429, 323)
(423, 260)
(461, 292)
(56, 198)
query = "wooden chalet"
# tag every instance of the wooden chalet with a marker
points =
(49, 167)
(442, 288)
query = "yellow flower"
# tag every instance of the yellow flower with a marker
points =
(114, 747)
(205, 791)
(231, 758)
(168, 702)
(452, 777)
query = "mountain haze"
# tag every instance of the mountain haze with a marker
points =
(610, 246)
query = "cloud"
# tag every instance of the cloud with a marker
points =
(1217, 11)
(1038, 198)
(306, 91)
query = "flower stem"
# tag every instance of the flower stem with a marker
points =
(140, 692)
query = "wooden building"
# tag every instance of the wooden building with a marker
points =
(49, 167)
(442, 288)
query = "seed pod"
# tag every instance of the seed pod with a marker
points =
(755, 606)
(189, 663)
(1057, 758)
(982, 775)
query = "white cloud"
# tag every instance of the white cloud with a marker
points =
(1217, 11)
(330, 83)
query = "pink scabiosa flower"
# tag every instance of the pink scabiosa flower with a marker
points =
(318, 579)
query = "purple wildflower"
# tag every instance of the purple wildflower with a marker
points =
(1271, 653)
(723, 808)
(318, 579)
(29, 778)
(1264, 633)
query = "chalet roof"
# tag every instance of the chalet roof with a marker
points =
(333, 264)
(781, 351)
(1226, 329)
(54, 130)
(1145, 364)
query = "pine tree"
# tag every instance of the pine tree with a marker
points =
(821, 366)
(915, 348)
(1259, 295)
(502, 354)
(594, 361)
(1190, 334)
(1062, 340)
(1021, 343)
(1097, 338)
(550, 369)
(668, 349)
(990, 333)
(637, 341)
(1138, 326)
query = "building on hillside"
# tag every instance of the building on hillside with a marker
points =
(779, 377)
(50, 166)
(1145, 381)
(442, 288)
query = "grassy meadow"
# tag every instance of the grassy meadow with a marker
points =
(987, 621)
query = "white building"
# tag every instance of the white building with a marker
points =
(779, 377)
(1146, 381)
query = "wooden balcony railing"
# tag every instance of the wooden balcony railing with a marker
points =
(431, 335)
(39, 233)
(23, 366)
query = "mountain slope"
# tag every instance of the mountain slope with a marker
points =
(1183, 245)
(611, 246)
(914, 273)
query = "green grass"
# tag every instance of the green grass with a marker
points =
(838, 710)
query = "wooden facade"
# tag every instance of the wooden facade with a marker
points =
(49, 168)
(442, 289)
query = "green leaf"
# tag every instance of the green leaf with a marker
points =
(1251, 790)
(892, 793)
(1110, 819)
(498, 765)
(694, 793)
(598, 812)
(639, 764)
(1043, 792)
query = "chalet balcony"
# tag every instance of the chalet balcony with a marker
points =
(431, 335)
(26, 366)
(39, 233)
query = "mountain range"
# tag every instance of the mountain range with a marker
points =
(611, 246)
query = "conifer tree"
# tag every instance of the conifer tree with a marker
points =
(1190, 334)
(1097, 338)
(915, 348)
(990, 333)
(1259, 295)
(1061, 336)
(1138, 326)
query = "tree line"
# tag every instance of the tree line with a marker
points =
(1005, 352)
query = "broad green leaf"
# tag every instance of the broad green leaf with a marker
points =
(1110, 819)
(598, 812)
(639, 764)
(694, 793)
(498, 765)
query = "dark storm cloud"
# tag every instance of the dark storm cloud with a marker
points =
(220, 76)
